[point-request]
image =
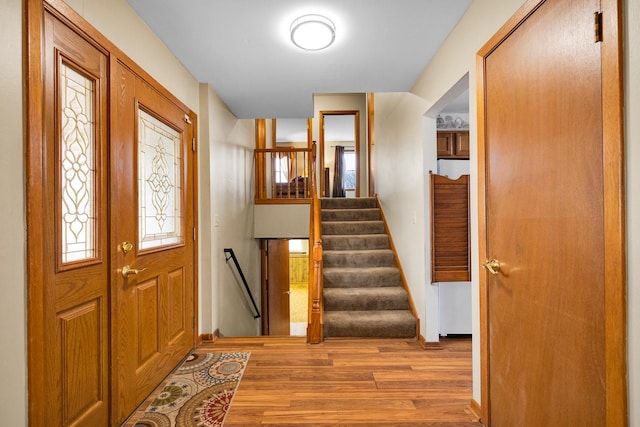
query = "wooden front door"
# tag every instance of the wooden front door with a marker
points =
(278, 287)
(546, 313)
(69, 250)
(111, 184)
(152, 232)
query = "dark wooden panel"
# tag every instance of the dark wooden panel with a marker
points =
(453, 145)
(450, 256)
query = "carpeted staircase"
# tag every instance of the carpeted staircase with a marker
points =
(363, 292)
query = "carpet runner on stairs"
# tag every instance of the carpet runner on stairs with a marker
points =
(363, 293)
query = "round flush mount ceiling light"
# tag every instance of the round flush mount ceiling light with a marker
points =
(313, 32)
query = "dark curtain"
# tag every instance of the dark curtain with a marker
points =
(338, 190)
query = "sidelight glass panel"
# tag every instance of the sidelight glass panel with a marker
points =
(159, 183)
(78, 166)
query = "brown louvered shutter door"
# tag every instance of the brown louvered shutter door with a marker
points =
(450, 255)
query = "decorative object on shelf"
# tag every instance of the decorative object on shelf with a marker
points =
(453, 121)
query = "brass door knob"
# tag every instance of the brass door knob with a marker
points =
(492, 266)
(126, 247)
(127, 271)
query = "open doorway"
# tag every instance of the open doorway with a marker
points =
(285, 284)
(298, 286)
(452, 127)
(447, 124)
(340, 153)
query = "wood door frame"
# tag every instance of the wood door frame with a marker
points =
(36, 217)
(266, 287)
(615, 304)
(371, 143)
(356, 114)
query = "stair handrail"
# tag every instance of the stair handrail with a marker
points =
(314, 330)
(229, 254)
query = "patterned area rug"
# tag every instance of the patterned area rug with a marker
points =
(199, 393)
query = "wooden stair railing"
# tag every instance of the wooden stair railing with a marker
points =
(294, 183)
(314, 330)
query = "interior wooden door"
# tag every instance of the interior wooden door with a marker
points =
(69, 367)
(544, 221)
(152, 191)
(278, 287)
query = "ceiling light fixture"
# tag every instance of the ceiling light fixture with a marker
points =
(313, 32)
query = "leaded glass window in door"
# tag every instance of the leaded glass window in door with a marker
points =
(77, 166)
(159, 183)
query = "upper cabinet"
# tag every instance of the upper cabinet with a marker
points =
(453, 145)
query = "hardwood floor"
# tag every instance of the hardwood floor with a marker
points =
(344, 382)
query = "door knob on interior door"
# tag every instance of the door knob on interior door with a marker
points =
(127, 271)
(492, 266)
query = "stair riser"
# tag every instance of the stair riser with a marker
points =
(366, 331)
(351, 215)
(361, 242)
(363, 294)
(353, 227)
(348, 203)
(349, 259)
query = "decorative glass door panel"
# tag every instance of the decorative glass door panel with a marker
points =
(77, 166)
(159, 183)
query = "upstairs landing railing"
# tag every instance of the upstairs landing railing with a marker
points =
(282, 175)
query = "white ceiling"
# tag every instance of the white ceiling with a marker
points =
(243, 48)
(458, 105)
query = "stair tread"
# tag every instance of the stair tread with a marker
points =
(350, 209)
(333, 228)
(363, 293)
(356, 251)
(338, 242)
(348, 203)
(390, 290)
(369, 299)
(366, 221)
(361, 270)
(371, 314)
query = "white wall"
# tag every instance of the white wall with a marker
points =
(13, 390)
(632, 112)
(123, 27)
(230, 219)
(401, 186)
(282, 221)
